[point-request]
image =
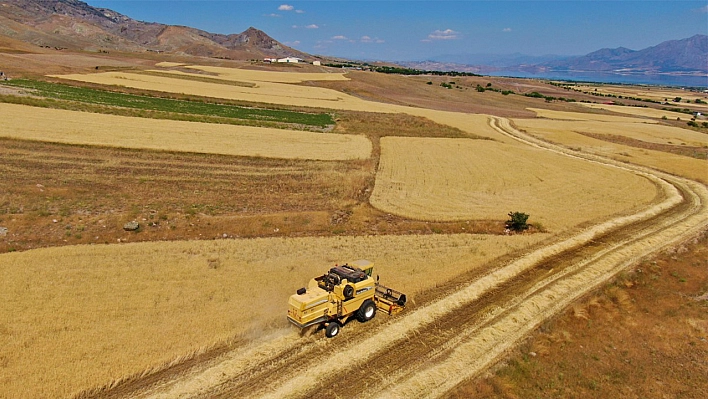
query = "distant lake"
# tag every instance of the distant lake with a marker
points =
(636, 79)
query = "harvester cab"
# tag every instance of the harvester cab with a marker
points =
(345, 291)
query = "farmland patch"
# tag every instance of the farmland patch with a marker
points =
(31, 123)
(83, 315)
(569, 135)
(453, 179)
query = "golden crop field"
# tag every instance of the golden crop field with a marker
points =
(582, 116)
(640, 129)
(61, 126)
(168, 64)
(80, 316)
(263, 92)
(568, 133)
(238, 74)
(651, 93)
(638, 111)
(458, 179)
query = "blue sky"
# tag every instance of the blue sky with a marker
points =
(419, 30)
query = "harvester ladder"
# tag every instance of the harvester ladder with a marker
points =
(339, 308)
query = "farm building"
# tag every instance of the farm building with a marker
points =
(293, 60)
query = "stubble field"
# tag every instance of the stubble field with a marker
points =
(452, 179)
(90, 316)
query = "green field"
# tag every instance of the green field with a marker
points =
(157, 107)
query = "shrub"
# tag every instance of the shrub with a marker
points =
(517, 221)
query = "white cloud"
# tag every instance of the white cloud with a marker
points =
(273, 15)
(368, 39)
(300, 11)
(506, 30)
(286, 7)
(312, 26)
(293, 44)
(447, 34)
(339, 37)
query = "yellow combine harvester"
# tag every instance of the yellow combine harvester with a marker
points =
(343, 292)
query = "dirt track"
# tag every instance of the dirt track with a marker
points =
(430, 349)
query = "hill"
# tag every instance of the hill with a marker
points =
(75, 25)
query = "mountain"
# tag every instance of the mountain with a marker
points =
(674, 56)
(73, 24)
(495, 60)
(687, 56)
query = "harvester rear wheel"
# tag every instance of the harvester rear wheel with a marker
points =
(367, 311)
(332, 329)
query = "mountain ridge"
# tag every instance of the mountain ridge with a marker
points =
(683, 56)
(76, 25)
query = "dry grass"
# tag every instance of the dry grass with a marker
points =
(569, 134)
(79, 316)
(453, 179)
(73, 127)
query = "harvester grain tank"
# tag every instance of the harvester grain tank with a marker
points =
(345, 291)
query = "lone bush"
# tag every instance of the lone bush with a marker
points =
(517, 221)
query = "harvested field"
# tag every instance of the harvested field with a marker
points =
(30, 123)
(83, 315)
(457, 179)
(661, 94)
(569, 135)
(264, 92)
(581, 116)
(630, 127)
(638, 111)
(135, 312)
(456, 336)
(238, 74)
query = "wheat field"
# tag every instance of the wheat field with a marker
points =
(458, 179)
(78, 316)
(263, 92)
(583, 116)
(638, 111)
(661, 94)
(640, 129)
(566, 133)
(251, 75)
(62, 126)
(73, 317)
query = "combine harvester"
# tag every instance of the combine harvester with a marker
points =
(345, 291)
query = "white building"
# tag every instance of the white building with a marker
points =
(293, 60)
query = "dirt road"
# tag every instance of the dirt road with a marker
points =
(430, 349)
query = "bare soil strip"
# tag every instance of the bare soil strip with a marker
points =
(428, 351)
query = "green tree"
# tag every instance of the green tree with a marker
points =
(517, 221)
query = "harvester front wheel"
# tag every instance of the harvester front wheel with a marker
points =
(332, 329)
(367, 311)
